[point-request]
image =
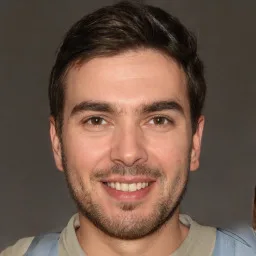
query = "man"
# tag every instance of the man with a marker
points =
(126, 96)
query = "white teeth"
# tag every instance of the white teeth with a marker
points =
(117, 186)
(124, 187)
(128, 187)
(139, 186)
(132, 187)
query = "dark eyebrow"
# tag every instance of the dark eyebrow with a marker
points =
(162, 105)
(143, 109)
(92, 106)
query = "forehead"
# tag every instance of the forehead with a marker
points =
(128, 80)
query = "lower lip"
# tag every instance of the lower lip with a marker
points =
(126, 196)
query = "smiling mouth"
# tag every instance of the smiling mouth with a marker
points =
(128, 191)
(127, 187)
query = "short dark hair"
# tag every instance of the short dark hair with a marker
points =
(124, 26)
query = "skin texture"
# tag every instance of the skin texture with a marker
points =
(127, 139)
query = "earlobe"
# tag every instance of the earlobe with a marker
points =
(56, 145)
(194, 161)
(196, 144)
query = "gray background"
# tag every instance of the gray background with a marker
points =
(33, 195)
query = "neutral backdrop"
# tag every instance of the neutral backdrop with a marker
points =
(33, 194)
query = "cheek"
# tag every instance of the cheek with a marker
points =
(171, 150)
(171, 154)
(85, 153)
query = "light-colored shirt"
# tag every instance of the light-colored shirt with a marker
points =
(200, 241)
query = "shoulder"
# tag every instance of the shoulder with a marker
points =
(19, 248)
(239, 241)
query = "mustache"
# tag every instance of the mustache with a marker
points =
(122, 170)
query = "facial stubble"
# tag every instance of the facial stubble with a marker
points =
(128, 225)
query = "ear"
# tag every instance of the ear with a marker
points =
(196, 144)
(56, 145)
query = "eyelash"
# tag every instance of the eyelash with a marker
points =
(87, 120)
(170, 121)
(91, 118)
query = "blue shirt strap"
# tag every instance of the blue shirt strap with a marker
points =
(44, 245)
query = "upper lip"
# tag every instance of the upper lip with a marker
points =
(128, 179)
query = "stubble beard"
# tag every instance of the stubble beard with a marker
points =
(128, 226)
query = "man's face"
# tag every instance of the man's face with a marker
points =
(127, 144)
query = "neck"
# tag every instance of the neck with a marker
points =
(163, 242)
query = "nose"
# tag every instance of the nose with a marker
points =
(128, 146)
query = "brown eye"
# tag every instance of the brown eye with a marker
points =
(96, 121)
(160, 120)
